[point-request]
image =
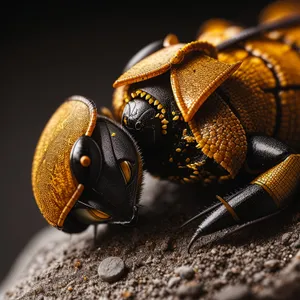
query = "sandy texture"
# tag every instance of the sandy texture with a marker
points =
(261, 262)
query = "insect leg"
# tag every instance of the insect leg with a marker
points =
(278, 169)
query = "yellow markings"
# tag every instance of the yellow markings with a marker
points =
(98, 214)
(196, 172)
(281, 181)
(188, 160)
(133, 95)
(163, 111)
(85, 161)
(151, 100)
(187, 179)
(143, 94)
(165, 121)
(164, 126)
(161, 116)
(157, 115)
(189, 139)
(170, 39)
(159, 106)
(175, 118)
(173, 113)
(127, 100)
(126, 170)
(171, 159)
(164, 132)
(69, 205)
(184, 132)
(113, 134)
(229, 208)
(178, 150)
(148, 97)
(156, 102)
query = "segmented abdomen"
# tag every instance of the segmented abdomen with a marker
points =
(264, 92)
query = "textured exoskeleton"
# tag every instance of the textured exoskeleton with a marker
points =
(86, 169)
(225, 104)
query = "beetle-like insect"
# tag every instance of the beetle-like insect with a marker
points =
(86, 169)
(224, 105)
(207, 111)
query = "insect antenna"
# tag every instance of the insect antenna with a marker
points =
(260, 29)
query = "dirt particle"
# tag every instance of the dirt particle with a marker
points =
(272, 265)
(234, 292)
(126, 295)
(185, 272)
(70, 289)
(191, 289)
(77, 264)
(173, 281)
(285, 238)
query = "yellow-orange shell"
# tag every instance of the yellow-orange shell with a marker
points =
(54, 187)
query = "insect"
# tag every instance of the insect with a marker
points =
(200, 112)
(223, 105)
(86, 169)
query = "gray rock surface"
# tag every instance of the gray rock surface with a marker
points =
(261, 262)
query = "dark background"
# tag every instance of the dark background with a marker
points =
(52, 50)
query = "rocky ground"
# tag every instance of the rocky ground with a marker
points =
(150, 261)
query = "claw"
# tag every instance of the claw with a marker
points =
(194, 238)
(201, 214)
(247, 207)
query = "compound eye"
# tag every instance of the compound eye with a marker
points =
(90, 215)
(126, 169)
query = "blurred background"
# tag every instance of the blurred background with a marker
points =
(54, 49)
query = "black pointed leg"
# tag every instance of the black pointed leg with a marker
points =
(227, 231)
(201, 214)
(269, 193)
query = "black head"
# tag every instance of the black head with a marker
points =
(109, 166)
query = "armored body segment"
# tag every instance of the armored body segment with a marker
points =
(55, 188)
(256, 94)
(264, 92)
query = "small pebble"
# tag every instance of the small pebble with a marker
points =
(173, 281)
(257, 277)
(285, 238)
(296, 244)
(191, 289)
(185, 272)
(234, 292)
(272, 264)
(111, 269)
